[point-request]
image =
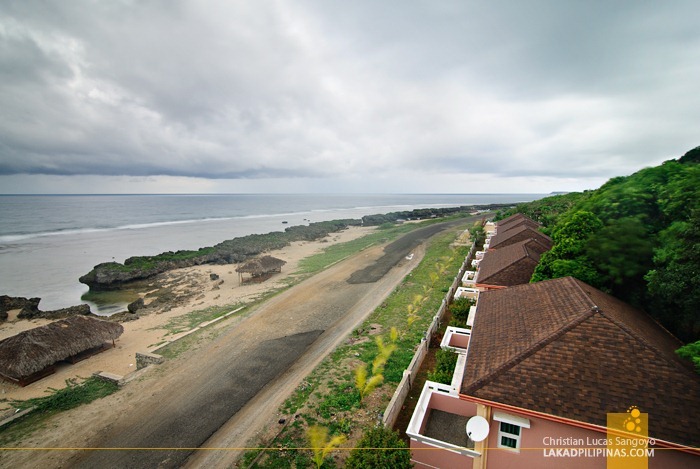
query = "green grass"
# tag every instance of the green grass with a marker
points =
(328, 396)
(192, 319)
(338, 252)
(58, 400)
(384, 234)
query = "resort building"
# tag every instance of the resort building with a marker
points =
(510, 265)
(515, 229)
(544, 366)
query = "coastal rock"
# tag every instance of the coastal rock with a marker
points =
(112, 275)
(124, 316)
(213, 277)
(28, 306)
(79, 310)
(135, 306)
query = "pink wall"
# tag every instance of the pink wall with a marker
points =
(425, 457)
(449, 404)
(452, 405)
(534, 439)
(674, 459)
(459, 340)
(540, 429)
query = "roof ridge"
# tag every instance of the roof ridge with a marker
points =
(629, 331)
(529, 252)
(536, 347)
(642, 340)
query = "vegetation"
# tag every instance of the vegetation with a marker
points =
(477, 233)
(58, 400)
(691, 352)
(365, 386)
(636, 237)
(380, 448)
(189, 321)
(329, 396)
(445, 362)
(545, 211)
(322, 444)
(71, 396)
(459, 308)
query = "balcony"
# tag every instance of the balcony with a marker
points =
(456, 339)
(464, 292)
(468, 279)
(437, 429)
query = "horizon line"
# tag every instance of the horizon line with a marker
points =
(278, 193)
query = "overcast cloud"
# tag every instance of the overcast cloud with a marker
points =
(338, 96)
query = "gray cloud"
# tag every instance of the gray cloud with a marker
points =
(318, 89)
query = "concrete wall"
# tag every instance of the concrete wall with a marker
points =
(143, 359)
(459, 340)
(429, 457)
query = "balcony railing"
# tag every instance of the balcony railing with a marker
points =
(440, 419)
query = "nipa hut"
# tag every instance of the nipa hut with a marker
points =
(260, 267)
(32, 354)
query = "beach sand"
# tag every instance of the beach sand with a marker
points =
(149, 332)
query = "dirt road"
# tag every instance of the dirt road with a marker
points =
(189, 402)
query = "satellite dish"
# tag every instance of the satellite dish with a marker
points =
(477, 428)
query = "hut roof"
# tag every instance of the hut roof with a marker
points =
(261, 265)
(33, 350)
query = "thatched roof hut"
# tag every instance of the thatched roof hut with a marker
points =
(31, 355)
(261, 266)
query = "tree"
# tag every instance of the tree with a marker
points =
(568, 255)
(674, 282)
(622, 253)
(691, 352)
(380, 448)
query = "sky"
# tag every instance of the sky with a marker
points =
(325, 96)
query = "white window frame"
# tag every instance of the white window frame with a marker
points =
(514, 420)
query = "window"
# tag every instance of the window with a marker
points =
(510, 429)
(509, 436)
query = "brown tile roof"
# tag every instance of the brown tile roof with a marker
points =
(516, 220)
(511, 219)
(564, 348)
(510, 265)
(517, 234)
(517, 223)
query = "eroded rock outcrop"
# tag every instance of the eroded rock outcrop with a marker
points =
(27, 306)
(29, 309)
(79, 310)
(135, 306)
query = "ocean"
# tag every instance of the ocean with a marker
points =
(48, 241)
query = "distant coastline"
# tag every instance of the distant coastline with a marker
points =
(48, 242)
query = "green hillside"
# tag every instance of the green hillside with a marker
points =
(636, 237)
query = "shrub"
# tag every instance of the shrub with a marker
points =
(460, 308)
(369, 453)
(444, 367)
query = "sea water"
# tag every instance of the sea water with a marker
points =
(48, 241)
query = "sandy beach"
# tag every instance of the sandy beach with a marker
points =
(195, 290)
